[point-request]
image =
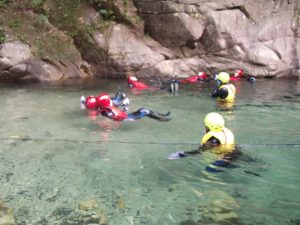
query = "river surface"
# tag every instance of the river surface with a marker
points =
(60, 165)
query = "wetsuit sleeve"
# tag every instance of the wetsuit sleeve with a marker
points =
(212, 142)
(142, 112)
(220, 92)
(107, 113)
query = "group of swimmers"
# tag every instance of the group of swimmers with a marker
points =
(217, 135)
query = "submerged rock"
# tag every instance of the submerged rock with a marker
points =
(6, 215)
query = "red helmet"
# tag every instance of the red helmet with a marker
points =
(91, 103)
(104, 100)
(238, 73)
(131, 79)
(202, 75)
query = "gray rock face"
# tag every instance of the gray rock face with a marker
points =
(17, 62)
(259, 36)
(175, 38)
(120, 50)
(13, 57)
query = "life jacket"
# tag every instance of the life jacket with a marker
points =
(118, 114)
(234, 78)
(139, 85)
(192, 79)
(231, 93)
(225, 136)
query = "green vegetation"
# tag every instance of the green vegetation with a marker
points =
(51, 27)
(107, 14)
(32, 29)
(3, 3)
(2, 36)
(63, 14)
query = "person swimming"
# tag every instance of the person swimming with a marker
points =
(238, 73)
(107, 109)
(200, 76)
(218, 139)
(224, 92)
(134, 83)
(119, 100)
(103, 105)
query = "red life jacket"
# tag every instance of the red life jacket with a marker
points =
(234, 78)
(192, 79)
(140, 85)
(118, 115)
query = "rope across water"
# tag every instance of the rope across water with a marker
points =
(135, 142)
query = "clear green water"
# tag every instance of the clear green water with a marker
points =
(54, 157)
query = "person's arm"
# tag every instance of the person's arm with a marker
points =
(220, 92)
(179, 155)
(209, 144)
(107, 113)
(142, 112)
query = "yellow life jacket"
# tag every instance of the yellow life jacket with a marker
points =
(231, 93)
(225, 136)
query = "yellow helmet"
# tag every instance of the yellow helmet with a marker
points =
(224, 77)
(214, 121)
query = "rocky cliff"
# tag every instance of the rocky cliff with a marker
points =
(56, 40)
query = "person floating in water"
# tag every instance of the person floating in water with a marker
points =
(217, 138)
(120, 100)
(238, 73)
(200, 76)
(103, 104)
(224, 92)
(134, 83)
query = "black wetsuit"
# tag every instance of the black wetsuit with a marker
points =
(220, 92)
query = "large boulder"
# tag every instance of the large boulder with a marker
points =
(13, 58)
(18, 63)
(36, 50)
(259, 36)
(119, 49)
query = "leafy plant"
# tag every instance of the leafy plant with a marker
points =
(2, 36)
(42, 18)
(35, 3)
(15, 23)
(107, 14)
(3, 3)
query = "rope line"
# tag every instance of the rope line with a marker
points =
(134, 142)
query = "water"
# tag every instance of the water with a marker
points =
(62, 166)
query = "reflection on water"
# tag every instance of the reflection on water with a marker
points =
(62, 165)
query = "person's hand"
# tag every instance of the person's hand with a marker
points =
(126, 101)
(82, 102)
(177, 155)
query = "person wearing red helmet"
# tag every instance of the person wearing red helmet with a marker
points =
(120, 100)
(107, 109)
(90, 102)
(200, 76)
(134, 83)
(238, 73)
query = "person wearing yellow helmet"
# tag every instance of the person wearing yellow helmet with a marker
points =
(217, 137)
(216, 132)
(224, 92)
